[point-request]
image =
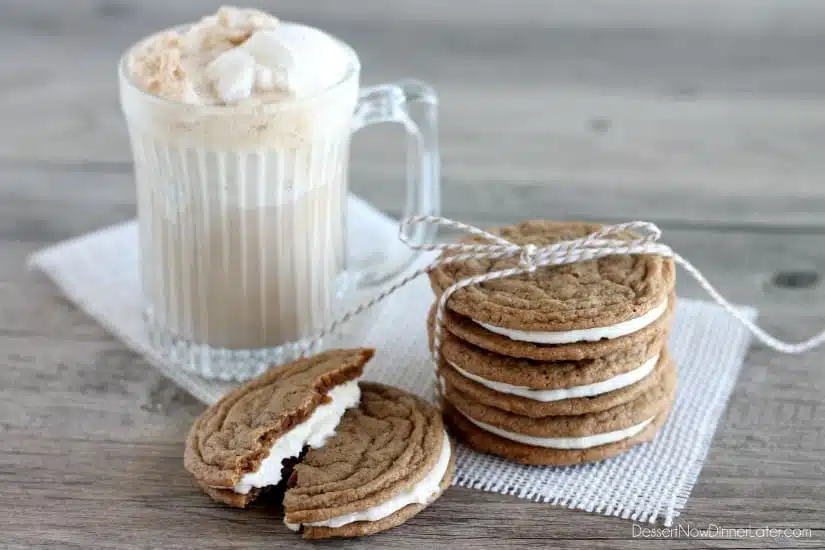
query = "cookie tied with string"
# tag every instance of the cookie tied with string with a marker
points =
(549, 339)
(588, 300)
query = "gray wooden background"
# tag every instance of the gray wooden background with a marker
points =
(707, 117)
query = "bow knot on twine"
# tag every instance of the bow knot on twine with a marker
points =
(632, 238)
(529, 258)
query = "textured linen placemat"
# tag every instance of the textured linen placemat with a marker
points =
(99, 273)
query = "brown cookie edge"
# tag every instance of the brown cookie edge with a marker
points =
(476, 360)
(648, 404)
(567, 407)
(465, 329)
(485, 442)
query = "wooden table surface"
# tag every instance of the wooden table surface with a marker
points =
(703, 116)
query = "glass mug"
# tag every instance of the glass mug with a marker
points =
(242, 216)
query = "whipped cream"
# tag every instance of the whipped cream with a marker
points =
(298, 59)
(238, 55)
(584, 442)
(314, 431)
(233, 74)
(240, 80)
(587, 390)
(581, 335)
(421, 493)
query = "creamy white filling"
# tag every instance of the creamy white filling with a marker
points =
(314, 431)
(588, 390)
(584, 442)
(421, 493)
(581, 335)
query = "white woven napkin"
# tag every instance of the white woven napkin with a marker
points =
(99, 273)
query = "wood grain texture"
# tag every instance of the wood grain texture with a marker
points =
(587, 95)
(704, 117)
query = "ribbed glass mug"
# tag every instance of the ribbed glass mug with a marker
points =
(242, 216)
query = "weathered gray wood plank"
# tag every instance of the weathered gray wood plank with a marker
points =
(558, 94)
(733, 16)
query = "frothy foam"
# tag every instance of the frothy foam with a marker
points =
(173, 63)
(240, 79)
(238, 55)
(296, 59)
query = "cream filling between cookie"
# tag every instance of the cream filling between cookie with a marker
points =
(314, 431)
(421, 493)
(588, 390)
(580, 335)
(584, 442)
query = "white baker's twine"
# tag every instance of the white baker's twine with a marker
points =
(531, 257)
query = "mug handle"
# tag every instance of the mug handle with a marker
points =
(414, 105)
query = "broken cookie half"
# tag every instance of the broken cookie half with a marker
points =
(238, 445)
(389, 459)
(377, 455)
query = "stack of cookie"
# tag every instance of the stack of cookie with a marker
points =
(564, 365)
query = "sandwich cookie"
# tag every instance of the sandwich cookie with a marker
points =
(560, 440)
(541, 388)
(469, 331)
(573, 406)
(238, 445)
(389, 459)
(588, 301)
